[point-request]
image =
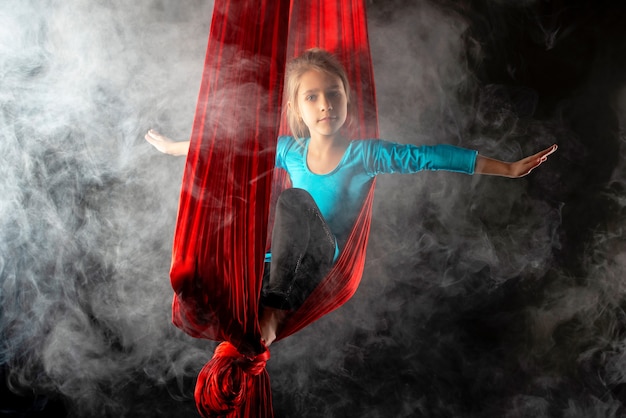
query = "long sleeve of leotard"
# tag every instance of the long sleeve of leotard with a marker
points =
(390, 157)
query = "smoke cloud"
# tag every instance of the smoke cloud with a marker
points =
(482, 296)
(87, 209)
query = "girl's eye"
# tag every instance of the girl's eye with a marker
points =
(310, 97)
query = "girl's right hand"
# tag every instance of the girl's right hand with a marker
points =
(165, 144)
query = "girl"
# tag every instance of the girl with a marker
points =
(330, 177)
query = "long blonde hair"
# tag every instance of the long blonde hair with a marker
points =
(312, 59)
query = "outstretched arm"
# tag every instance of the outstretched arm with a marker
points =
(165, 144)
(489, 166)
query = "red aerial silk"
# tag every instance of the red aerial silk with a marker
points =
(224, 210)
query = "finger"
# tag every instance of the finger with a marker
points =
(552, 149)
(542, 156)
(158, 138)
(548, 151)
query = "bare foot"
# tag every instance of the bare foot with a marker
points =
(270, 321)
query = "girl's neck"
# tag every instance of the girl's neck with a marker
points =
(324, 154)
(324, 145)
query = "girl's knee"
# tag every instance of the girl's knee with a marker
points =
(295, 197)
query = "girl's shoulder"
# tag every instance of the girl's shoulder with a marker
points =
(288, 149)
(288, 142)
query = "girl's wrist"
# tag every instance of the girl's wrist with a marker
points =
(489, 166)
(178, 148)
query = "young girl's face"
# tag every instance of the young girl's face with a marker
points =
(322, 103)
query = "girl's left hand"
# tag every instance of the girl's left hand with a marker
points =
(524, 166)
(521, 168)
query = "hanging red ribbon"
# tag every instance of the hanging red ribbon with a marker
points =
(222, 225)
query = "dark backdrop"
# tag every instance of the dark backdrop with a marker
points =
(482, 297)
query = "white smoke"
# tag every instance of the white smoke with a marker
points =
(481, 296)
(88, 210)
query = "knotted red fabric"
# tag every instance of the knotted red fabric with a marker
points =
(224, 209)
(224, 382)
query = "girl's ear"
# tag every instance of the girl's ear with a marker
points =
(293, 109)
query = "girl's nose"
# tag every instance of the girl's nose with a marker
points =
(326, 104)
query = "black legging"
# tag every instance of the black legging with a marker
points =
(303, 249)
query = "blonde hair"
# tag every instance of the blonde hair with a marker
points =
(312, 59)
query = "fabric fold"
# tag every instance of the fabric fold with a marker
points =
(229, 185)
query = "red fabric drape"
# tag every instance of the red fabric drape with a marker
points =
(221, 229)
